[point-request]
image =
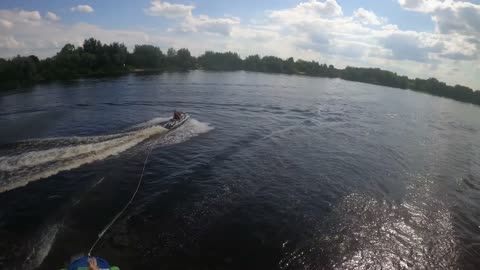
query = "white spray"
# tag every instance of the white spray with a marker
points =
(69, 153)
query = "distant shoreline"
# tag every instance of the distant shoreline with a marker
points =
(95, 59)
(153, 71)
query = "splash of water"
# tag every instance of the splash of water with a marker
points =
(61, 154)
(41, 247)
(190, 129)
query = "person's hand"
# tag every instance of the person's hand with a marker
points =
(92, 264)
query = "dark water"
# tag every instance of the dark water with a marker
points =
(272, 172)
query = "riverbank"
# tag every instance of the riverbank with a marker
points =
(469, 96)
(95, 59)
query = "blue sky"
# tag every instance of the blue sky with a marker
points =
(418, 38)
(112, 13)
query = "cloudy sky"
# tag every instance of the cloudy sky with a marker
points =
(418, 38)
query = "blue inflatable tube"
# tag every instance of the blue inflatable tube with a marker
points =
(82, 264)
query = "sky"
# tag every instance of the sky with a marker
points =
(417, 38)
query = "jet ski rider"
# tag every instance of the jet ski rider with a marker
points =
(177, 115)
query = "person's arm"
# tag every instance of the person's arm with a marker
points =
(92, 264)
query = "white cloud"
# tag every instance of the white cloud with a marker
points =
(165, 9)
(82, 8)
(202, 23)
(368, 17)
(310, 10)
(29, 15)
(44, 38)
(52, 16)
(411, 46)
(9, 42)
(312, 30)
(457, 26)
(459, 47)
(461, 18)
(344, 39)
(322, 31)
(449, 16)
(420, 5)
(390, 27)
(255, 34)
(5, 24)
(11, 18)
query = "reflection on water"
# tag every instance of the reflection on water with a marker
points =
(291, 172)
(370, 233)
(377, 234)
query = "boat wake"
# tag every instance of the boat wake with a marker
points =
(41, 247)
(36, 159)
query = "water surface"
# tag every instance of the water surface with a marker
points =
(272, 172)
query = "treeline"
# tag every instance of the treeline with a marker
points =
(95, 58)
(92, 58)
(272, 64)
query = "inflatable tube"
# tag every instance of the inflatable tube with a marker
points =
(82, 264)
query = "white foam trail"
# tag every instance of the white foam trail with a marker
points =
(24, 168)
(61, 154)
(35, 158)
(154, 121)
(41, 248)
(190, 129)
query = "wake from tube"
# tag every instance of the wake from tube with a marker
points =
(41, 248)
(37, 159)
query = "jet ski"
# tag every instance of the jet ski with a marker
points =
(177, 120)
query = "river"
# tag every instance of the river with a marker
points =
(270, 172)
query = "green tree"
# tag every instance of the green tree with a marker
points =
(93, 57)
(92, 46)
(272, 64)
(184, 59)
(253, 63)
(220, 61)
(147, 56)
(289, 66)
